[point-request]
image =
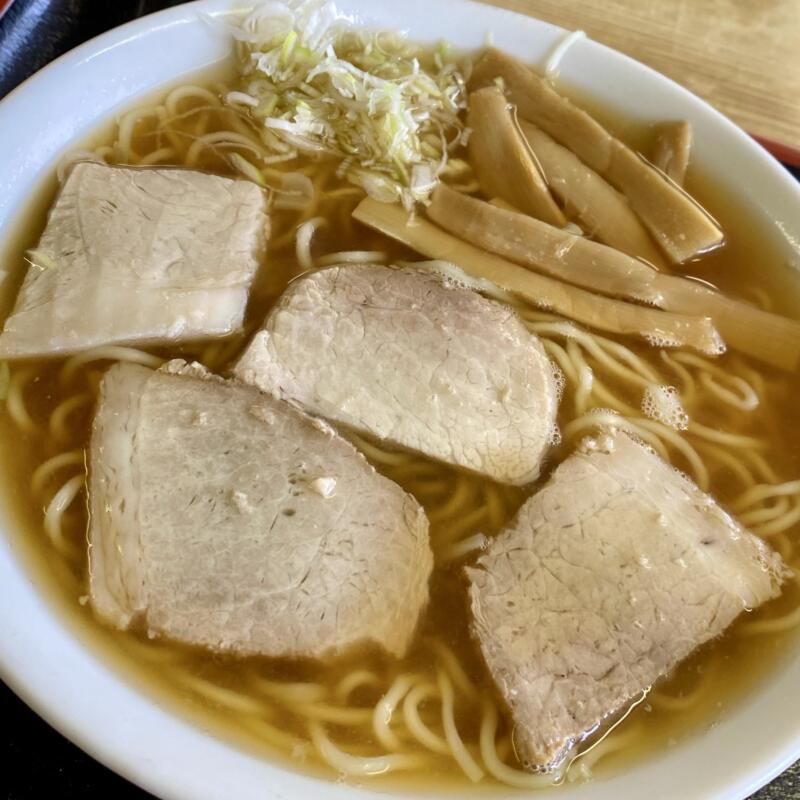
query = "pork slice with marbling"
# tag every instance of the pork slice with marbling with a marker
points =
(225, 518)
(610, 575)
(138, 256)
(415, 359)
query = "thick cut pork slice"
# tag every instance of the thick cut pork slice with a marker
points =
(225, 518)
(610, 575)
(414, 358)
(144, 255)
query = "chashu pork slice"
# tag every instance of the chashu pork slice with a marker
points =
(609, 576)
(225, 518)
(414, 358)
(145, 255)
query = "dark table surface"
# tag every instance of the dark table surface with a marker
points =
(39, 761)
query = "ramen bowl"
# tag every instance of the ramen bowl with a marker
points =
(48, 657)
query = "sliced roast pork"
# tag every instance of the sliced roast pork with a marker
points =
(610, 575)
(413, 358)
(225, 518)
(138, 255)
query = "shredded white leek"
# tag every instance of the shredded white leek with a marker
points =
(41, 259)
(319, 85)
(241, 164)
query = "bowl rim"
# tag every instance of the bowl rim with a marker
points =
(158, 761)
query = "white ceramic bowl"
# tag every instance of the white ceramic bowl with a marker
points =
(41, 655)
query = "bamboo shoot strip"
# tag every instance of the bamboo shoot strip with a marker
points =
(660, 328)
(537, 245)
(681, 227)
(502, 159)
(673, 150)
(768, 337)
(589, 199)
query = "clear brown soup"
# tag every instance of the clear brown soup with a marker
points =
(246, 699)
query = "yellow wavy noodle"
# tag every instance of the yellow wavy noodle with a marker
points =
(16, 406)
(666, 701)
